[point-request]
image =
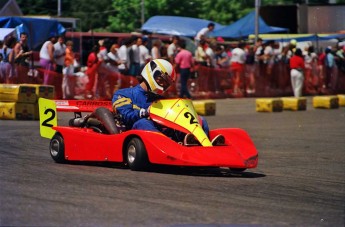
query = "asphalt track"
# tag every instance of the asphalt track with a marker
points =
(299, 181)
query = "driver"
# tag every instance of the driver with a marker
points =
(133, 103)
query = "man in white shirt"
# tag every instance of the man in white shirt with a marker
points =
(59, 56)
(203, 33)
(134, 54)
(269, 58)
(144, 55)
(238, 58)
(124, 57)
(172, 49)
(59, 53)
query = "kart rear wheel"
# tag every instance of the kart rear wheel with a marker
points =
(136, 155)
(57, 148)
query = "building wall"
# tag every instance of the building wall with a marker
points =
(326, 19)
(284, 16)
(305, 18)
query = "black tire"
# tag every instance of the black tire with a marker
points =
(57, 148)
(237, 170)
(136, 155)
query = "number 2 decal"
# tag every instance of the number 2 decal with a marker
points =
(52, 116)
(192, 118)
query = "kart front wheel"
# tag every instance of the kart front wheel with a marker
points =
(57, 148)
(136, 155)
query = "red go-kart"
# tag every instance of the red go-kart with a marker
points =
(100, 136)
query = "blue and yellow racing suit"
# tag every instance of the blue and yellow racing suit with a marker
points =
(128, 101)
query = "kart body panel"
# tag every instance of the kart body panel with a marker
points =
(83, 144)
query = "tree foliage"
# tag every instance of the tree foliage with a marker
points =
(125, 15)
(128, 12)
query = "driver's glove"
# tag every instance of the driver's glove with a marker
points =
(143, 113)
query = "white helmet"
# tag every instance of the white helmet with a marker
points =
(159, 74)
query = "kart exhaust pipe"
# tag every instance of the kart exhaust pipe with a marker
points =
(77, 122)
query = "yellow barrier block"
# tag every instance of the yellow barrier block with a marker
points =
(293, 103)
(341, 98)
(205, 107)
(24, 93)
(44, 91)
(327, 102)
(20, 111)
(269, 105)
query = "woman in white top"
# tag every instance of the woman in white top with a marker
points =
(155, 51)
(7, 69)
(47, 60)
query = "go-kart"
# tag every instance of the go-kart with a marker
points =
(101, 136)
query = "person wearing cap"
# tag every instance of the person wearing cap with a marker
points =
(296, 72)
(47, 60)
(340, 57)
(329, 68)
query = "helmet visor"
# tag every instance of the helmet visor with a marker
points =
(162, 79)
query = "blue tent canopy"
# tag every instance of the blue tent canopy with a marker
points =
(246, 26)
(39, 30)
(299, 37)
(174, 25)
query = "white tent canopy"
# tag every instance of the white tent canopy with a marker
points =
(6, 31)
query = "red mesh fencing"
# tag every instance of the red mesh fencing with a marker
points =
(210, 82)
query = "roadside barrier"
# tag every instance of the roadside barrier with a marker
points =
(326, 102)
(292, 103)
(269, 105)
(20, 101)
(205, 107)
(341, 98)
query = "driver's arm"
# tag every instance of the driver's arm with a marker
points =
(129, 112)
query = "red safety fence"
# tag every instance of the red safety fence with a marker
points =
(212, 83)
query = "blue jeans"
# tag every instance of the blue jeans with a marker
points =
(184, 76)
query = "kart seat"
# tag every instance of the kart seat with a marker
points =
(106, 118)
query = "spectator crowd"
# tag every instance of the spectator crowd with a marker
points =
(232, 69)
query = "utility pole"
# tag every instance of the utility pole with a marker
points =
(59, 8)
(142, 12)
(257, 8)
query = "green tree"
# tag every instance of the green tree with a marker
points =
(128, 12)
(93, 15)
(40, 7)
(225, 11)
(127, 15)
